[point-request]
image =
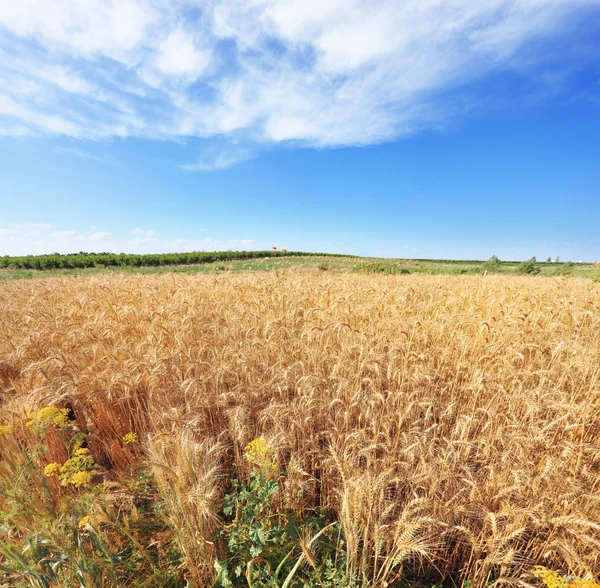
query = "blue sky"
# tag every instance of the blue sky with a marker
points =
(413, 128)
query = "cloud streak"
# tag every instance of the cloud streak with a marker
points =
(82, 154)
(33, 238)
(312, 72)
(220, 157)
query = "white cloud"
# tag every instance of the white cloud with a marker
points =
(112, 28)
(141, 241)
(14, 130)
(81, 153)
(318, 72)
(61, 235)
(33, 238)
(99, 236)
(32, 226)
(179, 56)
(212, 244)
(44, 122)
(219, 157)
(24, 230)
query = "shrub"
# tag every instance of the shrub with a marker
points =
(492, 264)
(528, 267)
(381, 267)
(564, 269)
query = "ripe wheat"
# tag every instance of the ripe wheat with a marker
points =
(453, 421)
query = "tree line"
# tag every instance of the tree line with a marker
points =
(85, 260)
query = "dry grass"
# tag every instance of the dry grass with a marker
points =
(453, 421)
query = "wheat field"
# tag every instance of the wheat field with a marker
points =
(450, 423)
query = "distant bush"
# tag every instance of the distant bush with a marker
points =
(528, 267)
(564, 269)
(381, 267)
(492, 264)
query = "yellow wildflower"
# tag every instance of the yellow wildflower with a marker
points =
(77, 470)
(84, 522)
(553, 579)
(257, 451)
(81, 451)
(50, 415)
(6, 429)
(80, 479)
(579, 583)
(52, 469)
(78, 443)
(130, 438)
(548, 577)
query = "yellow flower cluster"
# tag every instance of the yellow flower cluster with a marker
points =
(50, 415)
(52, 469)
(552, 579)
(258, 451)
(80, 479)
(76, 471)
(579, 583)
(130, 438)
(6, 429)
(84, 522)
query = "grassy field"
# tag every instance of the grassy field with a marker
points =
(337, 263)
(300, 427)
(264, 264)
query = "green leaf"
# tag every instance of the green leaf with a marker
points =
(257, 535)
(222, 575)
(255, 551)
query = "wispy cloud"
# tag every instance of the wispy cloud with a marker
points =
(31, 237)
(8, 234)
(141, 242)
(36, 237)
(143, 232)
(83, 154)
(62, 235)
(212, 244)
(99, 236)
(217, 158)
(318, 73)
